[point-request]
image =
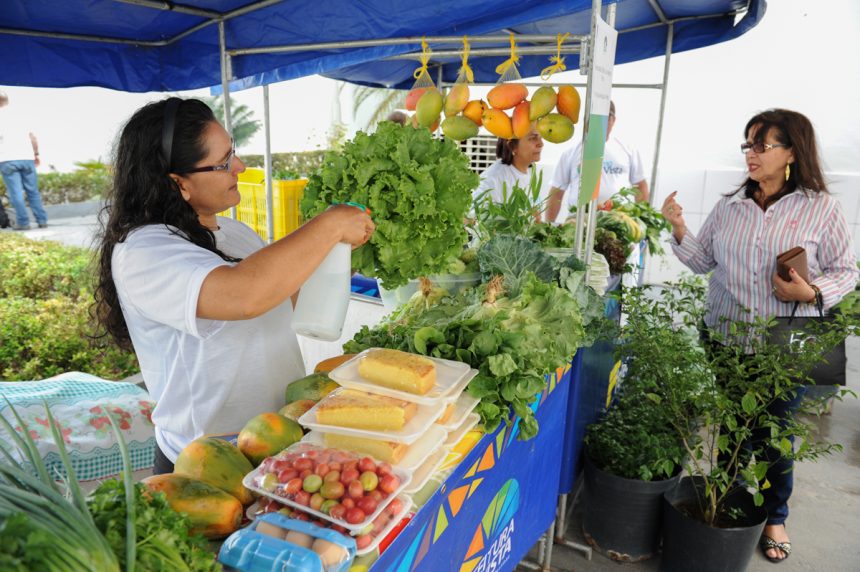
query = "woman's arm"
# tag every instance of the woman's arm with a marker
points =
(265, 279)
(696, 253)
(837, 259)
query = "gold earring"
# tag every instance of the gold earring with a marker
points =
(787, 171)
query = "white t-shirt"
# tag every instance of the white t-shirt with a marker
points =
(206, 376)
(622, 167)
(499, 176)
(15, 142)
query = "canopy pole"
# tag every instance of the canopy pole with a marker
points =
(669, 38)
(267, 165)
(226, 73)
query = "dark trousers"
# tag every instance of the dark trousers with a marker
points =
(162, 463)
(780, 473)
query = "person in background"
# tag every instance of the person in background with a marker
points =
(622, 167)
(398, 117)
(782, 204)
(514, 166)
(204, 303)
(19, 157)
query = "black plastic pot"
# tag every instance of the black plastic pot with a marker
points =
(623, 516)
(690, 544)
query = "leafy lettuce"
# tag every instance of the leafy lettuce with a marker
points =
(418, 190)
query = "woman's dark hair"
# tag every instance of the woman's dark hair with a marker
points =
(794, 130)
(505, 150)
(144, 194)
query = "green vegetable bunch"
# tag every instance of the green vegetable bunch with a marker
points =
(418, 190)
(655, 223)
(517, 213)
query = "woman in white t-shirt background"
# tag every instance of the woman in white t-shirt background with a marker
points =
(204, 303)
(514, 166)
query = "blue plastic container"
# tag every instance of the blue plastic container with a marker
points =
(250, 551)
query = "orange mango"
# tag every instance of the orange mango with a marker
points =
(413, 96)
(543, 100)
(520, 121)
(507, 95)
(498, 123)
(568, 102)
(474, 110)
(457, 99)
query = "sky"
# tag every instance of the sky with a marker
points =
(804, 55)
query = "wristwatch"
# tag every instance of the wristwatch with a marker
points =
(817, 298)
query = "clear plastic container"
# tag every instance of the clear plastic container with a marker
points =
(323, 299)
(416, 453)
(452, 283)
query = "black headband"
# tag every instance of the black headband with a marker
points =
(167, 129)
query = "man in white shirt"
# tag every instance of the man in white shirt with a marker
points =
(19, 157)
(622, 167)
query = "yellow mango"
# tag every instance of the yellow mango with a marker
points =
(507, 95)
(498, 123)
(542, 102)
(474, 110)
(555, 128)
(568, 102)
(457, 99)
(520, 121)
(429, 107)
(459, 128)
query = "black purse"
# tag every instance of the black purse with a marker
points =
(792, 332)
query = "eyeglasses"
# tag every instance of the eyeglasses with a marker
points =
(226, 166)
(759, 148)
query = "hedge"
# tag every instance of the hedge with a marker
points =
(46, 327)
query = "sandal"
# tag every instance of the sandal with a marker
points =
(767, 543)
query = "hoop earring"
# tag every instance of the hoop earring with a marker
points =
(787, 171)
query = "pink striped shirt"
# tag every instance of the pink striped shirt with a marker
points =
(740, 243)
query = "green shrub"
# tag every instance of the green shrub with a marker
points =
(302, 163)
(45, 322)
(42, 269)
(83, 185)
(42, 338)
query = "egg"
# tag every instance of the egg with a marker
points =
(270, 529)
(330, 553)
(299, 539)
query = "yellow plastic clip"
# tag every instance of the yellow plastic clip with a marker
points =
(425, 59)
(465, 69)
(503, 67)
(558, 61)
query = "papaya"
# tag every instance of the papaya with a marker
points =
(296, 409)
(429, 107)
(413, 96)
(457, 99)
(568, 102)
(520, 122)
(329, 364)
(474, 110)
(313, 387)
(459, 128)
(507, 95)
(542, 102)
(218, 463)
(498, 123)
(268, 434)
(212, 512)
(555, 128)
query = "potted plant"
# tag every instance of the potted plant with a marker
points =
(714, 519)
(634, 453)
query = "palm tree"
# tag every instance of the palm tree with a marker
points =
(384, 100)
(244, 124)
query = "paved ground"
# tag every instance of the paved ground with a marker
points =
(825, 507)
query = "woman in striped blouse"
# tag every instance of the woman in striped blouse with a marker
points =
(783, 203)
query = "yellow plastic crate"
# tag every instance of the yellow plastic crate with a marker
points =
(286, 196)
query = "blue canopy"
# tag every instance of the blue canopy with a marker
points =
(155, 45)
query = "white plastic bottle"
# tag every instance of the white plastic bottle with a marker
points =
(324, 297)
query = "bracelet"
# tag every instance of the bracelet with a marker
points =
(817, 299)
